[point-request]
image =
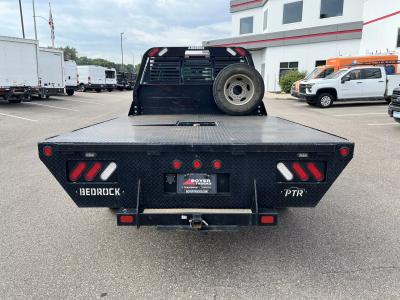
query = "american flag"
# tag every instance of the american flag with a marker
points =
(51, 23)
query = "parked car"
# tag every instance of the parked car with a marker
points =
(110, 79)
(18, 69)
(337, 63)
(71, 77)
(91, 78)
(51, 72)
(356, 83)
(394, 107)
(198, 150)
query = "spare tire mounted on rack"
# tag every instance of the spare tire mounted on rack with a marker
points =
(238, 89)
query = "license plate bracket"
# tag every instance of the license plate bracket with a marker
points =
(197, 184)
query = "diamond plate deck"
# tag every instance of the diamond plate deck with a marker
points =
(162, 130)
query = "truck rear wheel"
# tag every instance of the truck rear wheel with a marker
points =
(70, 92)
(325, 100)
(238, 89)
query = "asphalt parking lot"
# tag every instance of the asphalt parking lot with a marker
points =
(347, 247)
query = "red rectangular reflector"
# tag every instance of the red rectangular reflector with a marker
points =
(267, 219)
(126, 219)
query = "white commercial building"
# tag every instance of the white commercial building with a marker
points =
(293, 34)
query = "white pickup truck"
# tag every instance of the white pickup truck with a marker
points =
(356, 83)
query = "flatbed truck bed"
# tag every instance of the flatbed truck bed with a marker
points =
(195, 168)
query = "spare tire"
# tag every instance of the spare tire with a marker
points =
(238, 89)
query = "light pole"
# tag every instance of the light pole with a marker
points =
(22, 19)
(122, 54)
(34, 18)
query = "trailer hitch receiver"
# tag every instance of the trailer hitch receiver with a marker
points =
(197, 222)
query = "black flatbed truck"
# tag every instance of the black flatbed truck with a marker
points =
(177, 161)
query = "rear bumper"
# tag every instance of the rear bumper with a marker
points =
(48, 91)
(197, 219)
(15, 92)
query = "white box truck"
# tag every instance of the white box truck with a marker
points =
(111, 79)
(18, 69)
(91, 78)
(51, 72)
(70, 77)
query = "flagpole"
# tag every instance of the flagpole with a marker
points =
(22, 19)
(51, 23)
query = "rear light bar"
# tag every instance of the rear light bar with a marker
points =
(91, 171)
(301, 171)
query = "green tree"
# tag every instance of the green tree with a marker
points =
(286, 81)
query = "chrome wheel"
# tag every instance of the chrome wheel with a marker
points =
(326, 101)
(239, 89)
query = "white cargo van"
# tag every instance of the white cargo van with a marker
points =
(111, 79)
(51, 72)
(18, 69)
(70, 77)
(91, 78)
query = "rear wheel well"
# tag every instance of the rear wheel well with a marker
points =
(331, 91)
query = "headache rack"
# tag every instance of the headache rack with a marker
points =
(179, 80)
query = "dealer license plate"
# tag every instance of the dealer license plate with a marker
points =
(197, 184)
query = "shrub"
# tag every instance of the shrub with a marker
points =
(287, 80)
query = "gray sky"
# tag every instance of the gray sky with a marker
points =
(93, 26)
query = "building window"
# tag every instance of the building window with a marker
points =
(246, 25)
(331, 8)
(320, 63)
(265, 19)
(293, 12)
(288, 66)
(398, 39)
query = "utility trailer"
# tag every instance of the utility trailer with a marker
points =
(70, 77)
(51, 72)
(18, 69)
(180, 160)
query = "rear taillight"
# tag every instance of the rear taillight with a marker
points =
(344, 151)
(241, 51)
(91, 171)
(268, 220)
(48, 151)
(126, 219)
(301, 171)
(153, 52)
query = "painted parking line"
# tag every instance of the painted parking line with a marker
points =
(17, 117)
(52, 106)
(360, 114)
(384, 124)
(82, 101)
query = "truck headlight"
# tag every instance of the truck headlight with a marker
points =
(309, 87)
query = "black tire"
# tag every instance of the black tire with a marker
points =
(238, 89)
(98, 90)
(47, 96)
(15, 101)
(325, 100)
(110, 90)
(70, 92)
(82, 87)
